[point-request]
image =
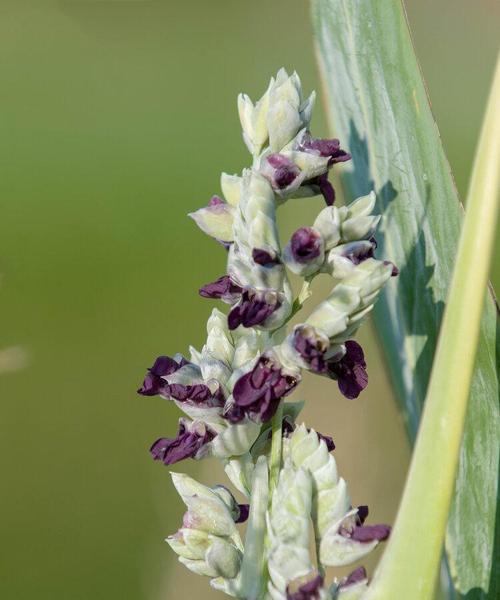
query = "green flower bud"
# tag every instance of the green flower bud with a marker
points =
(240, 471)
(357, 221)
(206, 510)
(340, 314)
(287, 113)
(189, 543)
(231, 188)
(216, 220)
(288, 527)
(278, 116)
(223, 557)
(328, 224)
(235, 440)
(254, 120)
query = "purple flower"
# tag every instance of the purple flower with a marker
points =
(310, 590)
(311, 346)
(306, 245)
(258, 392)
(359, 532)
(244, 512)
(320, 147)
(323, 147)
(153, 382)
(265, 258)
(224, 289)
(253, 309)
(350, 370)
(356, 576)
(280, 171)
(190, 438)
(197, 393)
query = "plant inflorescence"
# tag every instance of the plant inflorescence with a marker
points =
(233, 390)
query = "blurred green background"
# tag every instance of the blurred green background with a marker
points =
(116, 117)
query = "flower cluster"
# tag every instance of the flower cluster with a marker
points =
(232, 391)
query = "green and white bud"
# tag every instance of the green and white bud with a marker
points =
(331, 504)
(339, 262)
(255, 230)
(340, 315)
(208, 543)
(216, 220)
(288, 113)
(234, 440)
(231, 188)
(253, 120)
(288, 530)
(357, 221)
(240, 471)
(278, 116)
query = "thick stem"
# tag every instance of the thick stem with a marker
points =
(409, 566)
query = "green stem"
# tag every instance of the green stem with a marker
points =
(410, 564)
(276, 449)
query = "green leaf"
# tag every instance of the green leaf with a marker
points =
(377, 104)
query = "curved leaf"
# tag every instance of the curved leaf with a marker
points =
(377, 104)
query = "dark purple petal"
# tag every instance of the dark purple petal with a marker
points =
(326, 189)
(253, 310)
(362, 514)
(326, 148)
(283, 171)
(307, 591)
(154, 382)
(223, 288)
(235, 414)
(265, 258)
(190, 438)
(330, 445)
(395, 270)
(198, 393)
(350, 370)
(356, 576)
(311, 348)
(369, 533)
(306, 245)
(244, 512)
(258, 392)
(364, 251)
(323, 147)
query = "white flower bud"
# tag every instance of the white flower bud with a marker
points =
(206, 510)
(223, 557)
(231, 188)
(216, 220)
(235, 440)
(254, 120)
(328, 224)
(287, 113)
(357, 221)
(288, 527)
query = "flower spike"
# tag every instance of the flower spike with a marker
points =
(233, 391)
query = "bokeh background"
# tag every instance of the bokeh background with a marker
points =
(116, 117)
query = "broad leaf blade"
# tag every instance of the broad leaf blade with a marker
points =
(377, 105)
